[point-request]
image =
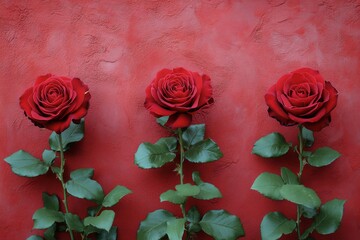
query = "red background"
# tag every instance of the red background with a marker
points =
(116, 47)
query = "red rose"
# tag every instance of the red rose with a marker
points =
(302, 97)
(53, 102)
(178, 93)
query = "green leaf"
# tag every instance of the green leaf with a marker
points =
(155, 225)
(175, 228)
(55, 169)
(50, 201)
(305, 235)
(48, 156)
(91, 229)
(24, 164)
(323, 156)
(272, 145)
(207, 190)
(44, 218)
(173, 197)
(92, 211)
(221, 225)
(187, 190)
(329, 217)
(74, 222)
(74, 133)
(49, 233)
(115, 195)
(111, 235)
(156, 155)
(300, 194)
(204, 151)
(269, 185)
(193, 217)
(162, 120)
(288, 176)
(34, 237)
(274, 225)
(103, 221)
(85, 188)
(193, 134)
(307, 136)
(82, 173)
(307, 212)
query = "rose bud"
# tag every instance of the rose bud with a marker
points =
(53, 102)
(302, 97)
(178, 93)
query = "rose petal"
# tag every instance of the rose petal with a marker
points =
(179, 120)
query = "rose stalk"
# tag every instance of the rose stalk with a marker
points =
(174, 96)
(60, 104)
(301, 98)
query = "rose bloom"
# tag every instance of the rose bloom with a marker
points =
(53, 102)
(302, 97)
(178, 93)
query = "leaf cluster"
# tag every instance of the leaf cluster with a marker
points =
(192, 146)
(286, 186)
(80, 185)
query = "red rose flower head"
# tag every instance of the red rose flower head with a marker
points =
(302, 97)
(178, 93)
(53, 102)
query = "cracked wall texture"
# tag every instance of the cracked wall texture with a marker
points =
(116, 47)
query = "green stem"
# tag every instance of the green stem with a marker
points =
(61, 178)
(181, 171)
(301, 168)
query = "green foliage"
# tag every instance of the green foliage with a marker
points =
(307, 212)
(173, 197)
(74, 133)
(44, 218)
(272, 145)
(307, 136)
(74, 222)
(48, 157)
(269, 185)
(162, 120)
(187, 190)
(329, 217)
(203, 152)
(82, 173)
(81, 186)
(193, 217)
(156, 155)
(155, 225)
(300, 194)
(104, 221)
(50, 201)
(161, 224)
(115, 195)
(323, 157)
(24, 164)
(111, 235)
(175, 228)
(288, 176)
(221, 225)
(34, 237)
(207, 190)
(49, 233)
(193, 134)
(274, 225)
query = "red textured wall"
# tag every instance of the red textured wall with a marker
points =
(116, 47)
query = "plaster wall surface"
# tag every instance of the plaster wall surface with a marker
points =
(116, 48)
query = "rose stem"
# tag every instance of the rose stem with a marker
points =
(181, 172)
(61, 178)
(300, 156)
